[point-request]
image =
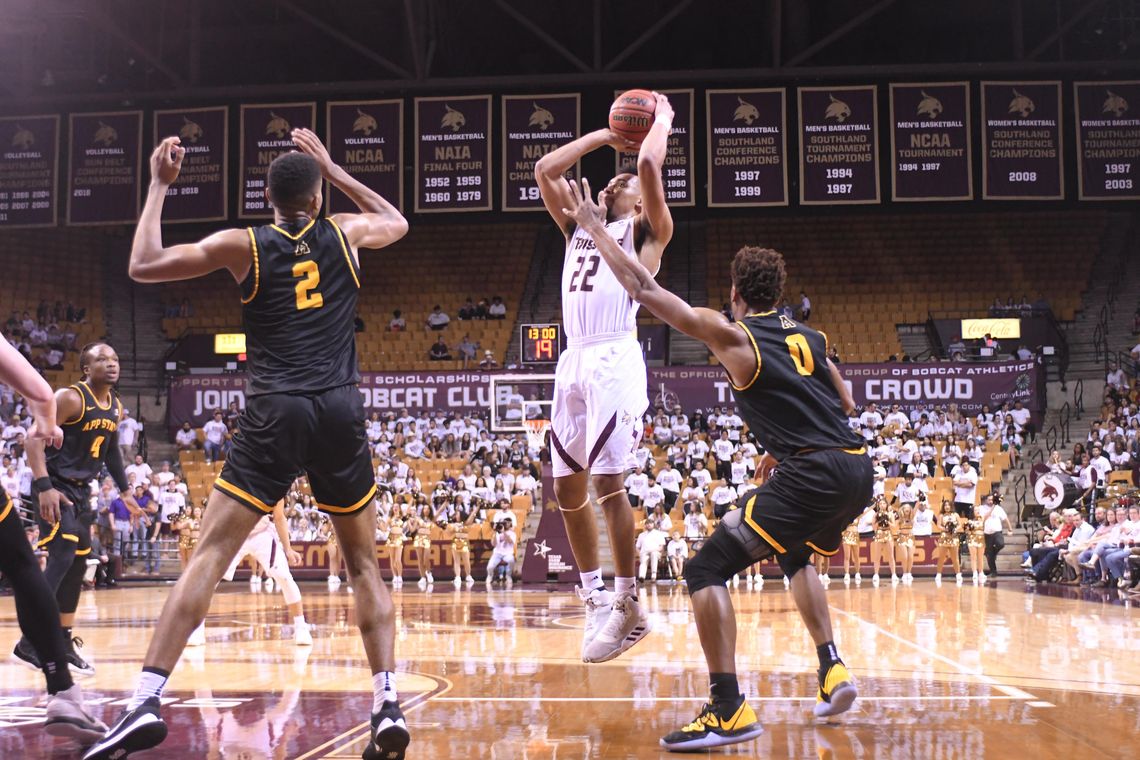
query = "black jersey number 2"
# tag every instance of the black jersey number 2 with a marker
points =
(593, 261)
(310, 278)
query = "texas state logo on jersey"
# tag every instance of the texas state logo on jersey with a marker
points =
(593, 301)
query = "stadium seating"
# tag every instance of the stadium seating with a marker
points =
(435, 264)
(69, 270)
(866, 274)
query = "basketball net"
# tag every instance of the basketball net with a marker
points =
(536, 432)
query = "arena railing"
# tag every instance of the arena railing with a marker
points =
(1079, 398)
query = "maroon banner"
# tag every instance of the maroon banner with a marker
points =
(315, 560)
(265, 134)
(366, 137)
(1108, 140)
(548, 555)
(453, 154)
(839, 145)
(930, 142)
(747, 147)
(1021, 137)
(200, 192)
(534, 125)
(678, 170)
(103, 171)
(29, 170)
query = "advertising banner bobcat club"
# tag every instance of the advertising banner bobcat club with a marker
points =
(930, 142)
(29, 170)
(265, 134)
(103, 171)
(200, 192)
(1021, 140)
(534, 125)
(453, 154)
(1108, 140)
(678, 169)
(193, 398)
(747, 147)
(839, 145)
(366, 137)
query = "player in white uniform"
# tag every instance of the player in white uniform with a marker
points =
(268, 543)
(600, 385)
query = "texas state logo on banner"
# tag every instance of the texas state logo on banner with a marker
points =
(534, 125)
(29, 170)
(266, 133)
(103, 174)
(1021, 141)
(839, 145)
(200, 192)
(1108, 139)
(930, 142)
(366, 137)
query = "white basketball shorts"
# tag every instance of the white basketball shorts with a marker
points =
(599, 398)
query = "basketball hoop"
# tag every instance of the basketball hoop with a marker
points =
(536, 432)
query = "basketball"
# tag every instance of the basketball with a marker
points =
(631, 115)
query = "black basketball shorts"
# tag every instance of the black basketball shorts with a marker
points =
(282, 436)
(809, 501)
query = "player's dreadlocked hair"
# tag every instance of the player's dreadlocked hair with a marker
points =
(293, 178)
(759, 276)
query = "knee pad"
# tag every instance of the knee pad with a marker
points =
(721, 557)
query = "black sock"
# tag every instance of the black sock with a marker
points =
(827, 655)
(58, 677)
(723, 687)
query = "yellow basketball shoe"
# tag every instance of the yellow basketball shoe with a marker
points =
(837, 691)
(711, 729)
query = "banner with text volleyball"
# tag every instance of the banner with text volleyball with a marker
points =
(103, 173)
(930, 142)
(839, 145)
(534, 125)
(200, 192)
(1108, 140)
(747, 147)
(266, 133)
(453, 154)
(366, 138)
(679, 180)
(29, 171)
(1022, 141)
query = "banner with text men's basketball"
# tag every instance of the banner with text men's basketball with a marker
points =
(678, 170)
(29, 170)
(366, 137)
(199, 193)
(453, 154)
(839, 145)
(103, 171)
(534, 125)
(266, 133)
(1021, 141)
(930, 142)
(748, 147)
(1108, 140)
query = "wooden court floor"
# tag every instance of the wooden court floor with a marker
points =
(1001, 671)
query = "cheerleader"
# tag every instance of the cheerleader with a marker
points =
(976, 542)
(946, 545)
(420, 527)
(396, 548)
(456, 531)
(188, 526)
(850, 541)
(864, 526)
(883, 545)
(905, 542)
(328, 535)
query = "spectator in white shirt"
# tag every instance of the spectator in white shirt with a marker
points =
(186, 439)
(870, 421)
(1116, 378)
(10, 481)
(637, 484)
(677, 551)
(215, 431)
(141, 470)
(654, 496)
(129, 428)
(437, 319)
(923, 518)
(897, 418)
(650, 545)
(700, 474)
(878, 484)
(965, 479)
(696, 524)
(723, 449)
(1024, 420)
(723, 497)
(397, 323)
(497, 309)
(669, 479)
(906, 493)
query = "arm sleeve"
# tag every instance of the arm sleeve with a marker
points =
(114, 463)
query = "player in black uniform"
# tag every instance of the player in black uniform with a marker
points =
(298, 280)
(36, 608)
(794, 402)
(90, 411)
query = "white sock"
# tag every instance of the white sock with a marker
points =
(383, 689)
(299, 621)
(592, 580)
(150, 685)
(622, 585)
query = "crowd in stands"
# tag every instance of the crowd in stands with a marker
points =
(45, 337)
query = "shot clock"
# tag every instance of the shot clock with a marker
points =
(540, 344)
